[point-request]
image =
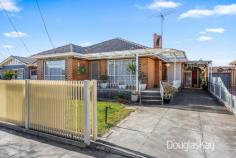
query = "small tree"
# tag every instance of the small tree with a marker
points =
(9, 75)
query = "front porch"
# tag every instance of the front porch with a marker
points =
(196, 74)
(139, 72)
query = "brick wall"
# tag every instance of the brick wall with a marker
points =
(69, 69)
(81, 76)
(40, 69)
(147, 67)
(158, 72)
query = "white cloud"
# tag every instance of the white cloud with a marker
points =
(202, 32)
(9, 5)
(14, 34)
(8, 46)
(85, 44)
(204, 38)
(215, 30)
(159, 4)
(225, 9)
(217, 10)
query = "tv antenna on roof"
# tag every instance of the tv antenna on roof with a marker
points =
(162, 15)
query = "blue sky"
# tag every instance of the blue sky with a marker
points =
(204, 29)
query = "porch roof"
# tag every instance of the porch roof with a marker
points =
(167, 55)
(199, 62)
(232, 62)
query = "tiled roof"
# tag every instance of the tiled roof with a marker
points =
(24, 59)
(64, 49)
(116, 44)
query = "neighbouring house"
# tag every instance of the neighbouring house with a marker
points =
(196, 73)
(226, 73)
(233, 78)
(25, 68)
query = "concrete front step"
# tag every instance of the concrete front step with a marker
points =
(152, 97)
(152, 102)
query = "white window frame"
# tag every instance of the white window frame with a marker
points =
(44, 70)
(114, 71)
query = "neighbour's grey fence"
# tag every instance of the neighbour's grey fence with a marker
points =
(219, 90)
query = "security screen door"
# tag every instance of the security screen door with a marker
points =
(94, 67)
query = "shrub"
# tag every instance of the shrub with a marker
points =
(9, 75)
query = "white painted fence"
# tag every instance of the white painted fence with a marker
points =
(219, 90)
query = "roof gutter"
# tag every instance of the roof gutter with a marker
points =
(60, 55)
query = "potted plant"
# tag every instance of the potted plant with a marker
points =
(144, 79)
(168, 92)
(9, 75)
(104, 79)
(134, 96)
(204, 85)
(131, 68)
(120, 97)
(121, 85)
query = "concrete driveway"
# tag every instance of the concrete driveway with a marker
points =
(194, 118)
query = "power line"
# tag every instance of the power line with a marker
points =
(15, 29)
(44, 24)
(1, 54)
(9, 52)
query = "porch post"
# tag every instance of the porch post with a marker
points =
(175, 69)
(137, 70)
(211, 72)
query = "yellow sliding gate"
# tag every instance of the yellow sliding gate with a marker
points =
(63, 108)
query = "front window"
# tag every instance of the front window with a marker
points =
(119, 73)
(19, 74)
(55, 70)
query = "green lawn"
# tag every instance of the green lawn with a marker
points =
(116, 113)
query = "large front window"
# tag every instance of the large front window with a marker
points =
(119, 73)
(55, 70)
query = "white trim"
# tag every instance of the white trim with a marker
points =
(136, 72)
(11, 58)
(58, 55)
(114, 68)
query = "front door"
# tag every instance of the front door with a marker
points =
(94, 70)
(188, 79)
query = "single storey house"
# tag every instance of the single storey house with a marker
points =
(118, 63)
(24, 68)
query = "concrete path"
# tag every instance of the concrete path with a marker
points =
(192, 119)
(17, 145)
